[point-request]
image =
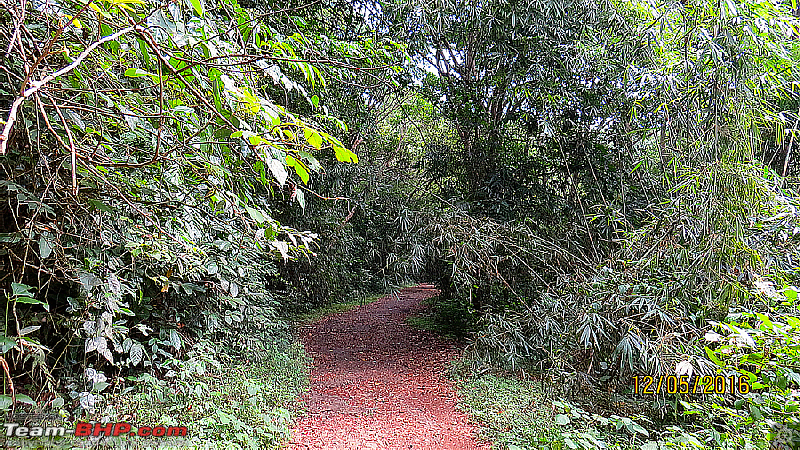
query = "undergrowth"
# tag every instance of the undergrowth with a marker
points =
(223, 400)
(512, 412)
(239, 403)
(517, 414)
(333, 308)
(445, 317)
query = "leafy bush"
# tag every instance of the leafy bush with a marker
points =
(760, 350)
(147, 151)
(524, 414)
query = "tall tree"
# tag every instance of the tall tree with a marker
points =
(507, 72)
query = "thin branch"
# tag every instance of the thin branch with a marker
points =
(36, 85)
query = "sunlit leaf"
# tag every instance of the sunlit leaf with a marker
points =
(345, 155)
(313, 137)
(256, 215)
(301, 198)
(299, 168)
(198, 6)
(278, 170)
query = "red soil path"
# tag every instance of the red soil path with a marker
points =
(377, 383)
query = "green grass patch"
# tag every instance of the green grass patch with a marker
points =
(513, 413)
(332, 308)
(520, 414)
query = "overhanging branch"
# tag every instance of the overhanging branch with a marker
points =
(37, 85)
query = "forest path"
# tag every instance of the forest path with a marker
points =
(378, 383)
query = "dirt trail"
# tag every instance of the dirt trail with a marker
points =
(378, 383)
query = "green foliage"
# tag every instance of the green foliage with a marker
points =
(513, 412)
(147, 151)
(522, 414)
(590, 184)
(445, 317)
(246, 404)
(761, 350)
(224, 402)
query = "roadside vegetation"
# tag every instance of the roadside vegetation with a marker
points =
(602, 191)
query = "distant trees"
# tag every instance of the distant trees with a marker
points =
(522, 83)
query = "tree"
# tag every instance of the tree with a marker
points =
(518, 80)
(146, 149)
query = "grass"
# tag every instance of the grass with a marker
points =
(224, 402)
(513, 413)
(520, 414)
(332, 308)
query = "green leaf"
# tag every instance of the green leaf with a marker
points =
(791, 293)
(765, 320)
(211, 267)
(22, 398)
(301, 198)
(6, 344)
(754, 358)
(143, 49)
(175, 339)
(755, 412)
(21, 289)
(29, 330)
(97, 204)
(634, 427)
(256, 215)
(299, 168)
(278, 170)
(134, 72)
(345, 155)
(310, 161)
(713, 357)
(45, 247)
(198, 6)
(313, 137)
(252, 102)
(315, 101)
(32, 301)
(11, 238)
(255, 139)
(136, 354)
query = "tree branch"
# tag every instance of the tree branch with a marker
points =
(36, 85)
